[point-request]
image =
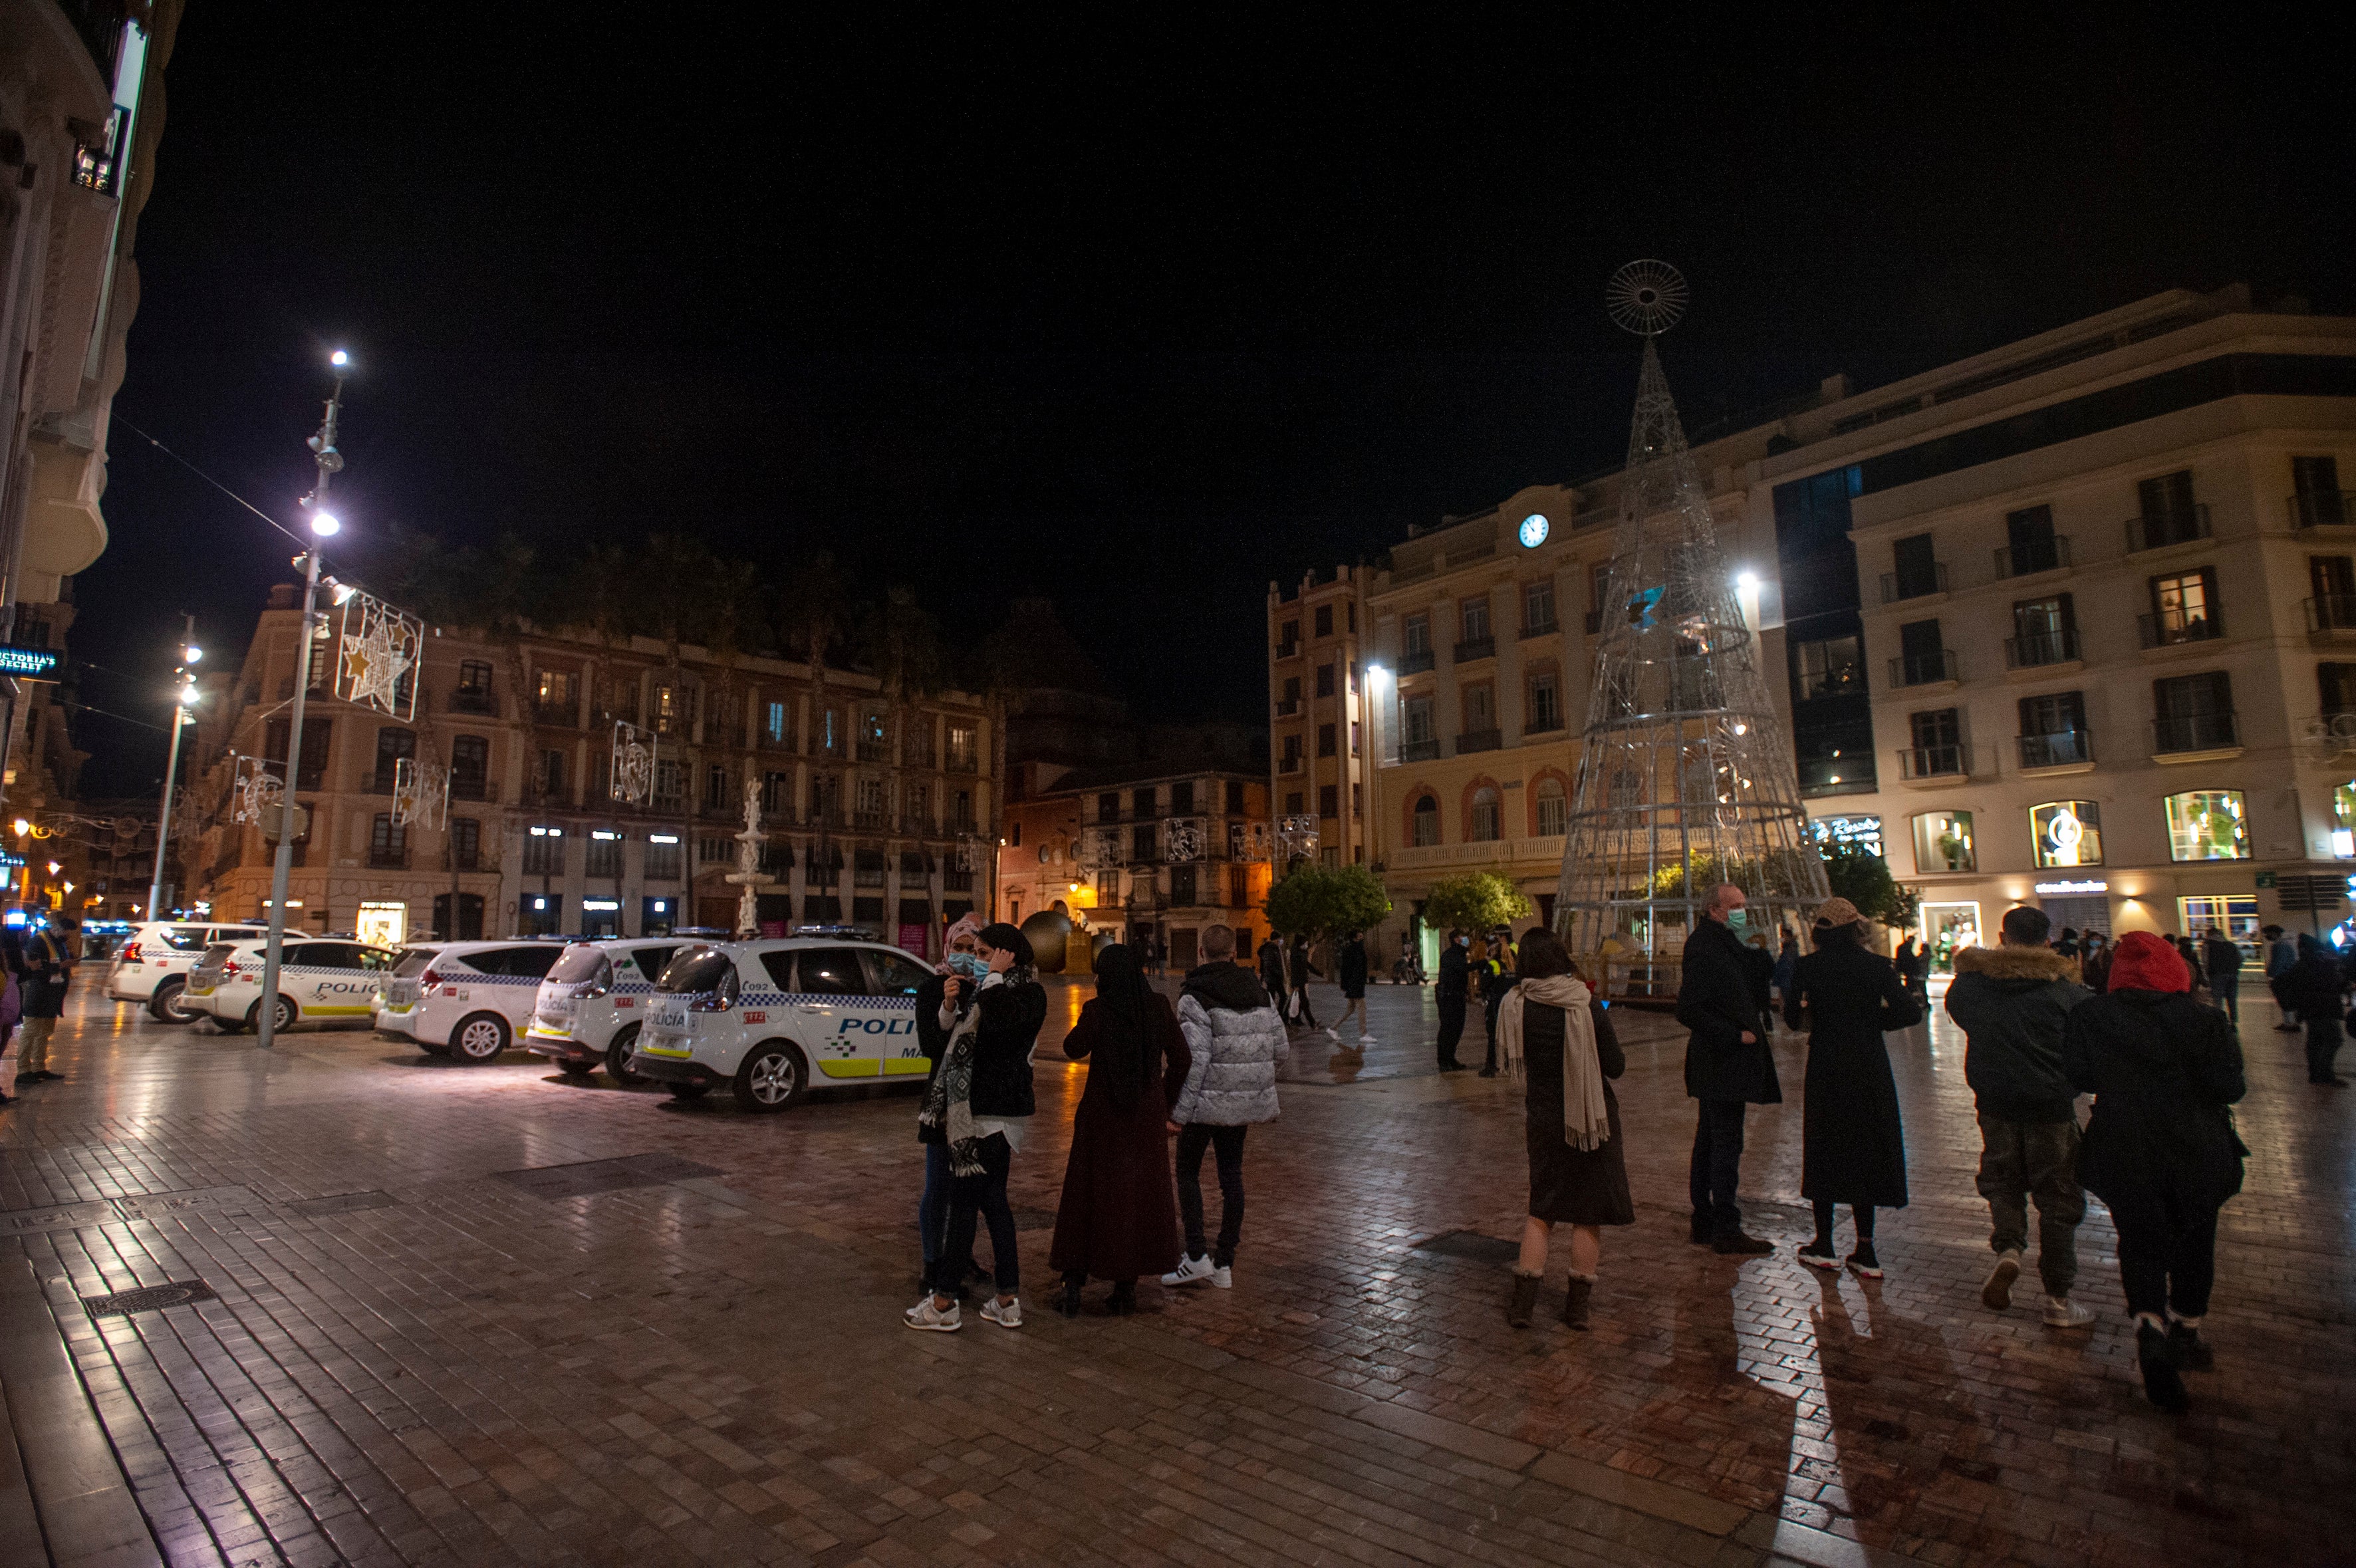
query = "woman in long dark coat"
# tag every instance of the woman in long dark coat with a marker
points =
(1119, 1217)
(1852, 1146)
(1579, 1175)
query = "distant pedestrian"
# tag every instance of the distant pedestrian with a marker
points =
(1557, 1040)
(1350, 968)
(2160, 1150)
(12, 1011)
(2190, 951)
(1299, 969)
(49, 971)
(1116, 1220)
(1852, 1144)
(1729, 1065)
(1787, 962)
(2221, 957)
(2066, 944)
(2094, 969)
(1271, 969)
(1234, 1040)
(2012, 1001)
(1497, 977)
(2317, 987)
(1455, 983)
(2281, 956)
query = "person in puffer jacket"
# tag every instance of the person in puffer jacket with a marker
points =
(1235, 1040)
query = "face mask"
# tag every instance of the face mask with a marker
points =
(1738, 921)
(969, 964)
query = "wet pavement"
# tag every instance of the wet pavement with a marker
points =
(458, 1315)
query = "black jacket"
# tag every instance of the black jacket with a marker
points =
(1720, 996)
(1455, 970)
(2012, 1002)
(2223, 958)
(1352, 968)
(2313, 988)
(1271, 965)
(2162, 1068)
(1301, 966)
(931, 1038)
(1011, 1017)
(1225, 984)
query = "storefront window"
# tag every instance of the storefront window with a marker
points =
(2232, 915)
(2208, 824)
(2343, 824)
(1859, 833)
(2067, 833)
(1943, 841)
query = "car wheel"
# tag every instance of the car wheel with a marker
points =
(617, 1055)
(283, 1017)
(771, 1078)
(166, 1006)
(479, 1037)
(687, 1091)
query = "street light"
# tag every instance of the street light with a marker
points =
(324, 524)
(189, 654)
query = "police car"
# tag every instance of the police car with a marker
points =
(152, 967)
(776, 1018)
(320, 980)
(468, 1000)
(396, 1002)
(592, 1004)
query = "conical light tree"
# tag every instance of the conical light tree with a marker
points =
(1685, 780)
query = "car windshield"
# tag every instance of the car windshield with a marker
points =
(697, 971)
(578, 962)
(413, 962)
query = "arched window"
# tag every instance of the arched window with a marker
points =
(2067, 833)
(1553, 811)
(1427, 823)
(1627, 785)
(1485, 814)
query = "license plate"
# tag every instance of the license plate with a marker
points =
(549, 1026)
(402, 993)
(668, 1043)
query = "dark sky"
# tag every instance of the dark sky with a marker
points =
(1137, 320)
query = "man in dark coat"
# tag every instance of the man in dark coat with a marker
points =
(1271, 970)
(2315, 987)
(2221, 957)
(1455, 981)
(48, 970)
(2280, 956)
(1350, 968)
(1722, 1000)
(1300, 968)
(2012, 1001)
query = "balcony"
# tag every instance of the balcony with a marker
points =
(469, 786)
(556, 715)
(875, 750)
(1922, 669)
(383, 859)
(474, 699)
(960, 762)
(1916, 585)
(1289, 708)
(2328, 613)
(2167, 631)
(2063, 748)
(2322, 508)
(2194, 733)
(867, 822)
(2034, 649)
(1920, 762)
(918, 827)
(1415, 661)
(1479, 740)
(1288, 650)
(1545, 723)
(1419, 750)
(2026, 560)
(1476, 647)
(1290, 766)
(2154, 530)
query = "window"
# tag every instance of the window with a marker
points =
(716, 787)
(1329, 800)
(867, 802)
(2053, 730)
(1234, 797)
(1324, 620)
(1554, 811)
(388, 842)
(1295, 803)
(1325, 740)
(1182, 798)
(1353, 743)
(1181, 877)
(1141, 800)
(869, 868)
(2208, 824)
(1287, 640)
(1916, 567)
(1108, 806)
(1239, 888)
(313, 772)
(2167, 512)
(961, 811)
(2232, 915)
(1292, 703)
(2335, 686)
(551, 775)
(671, 783)
(713, 849)
(1144, 843)
(1416, 725)
(829, 732)
(605, 853)
(1538, 606)
(2194, 713)
(777, 793)
(2316, 500)
(1109, 887)
(831, 972)
(1480, 708)
(1829, 667)
(1485, 814)
(2044, 631)
(1546, 702)
(1426, 822)
(1472, 615)
(470, 768)
(1416, 634)
(475, 675)
(2066, 833)
(2183, 608)
(662, 861)
(2344, 820)
(466, 842)
(1325, 679)
(559, 695)
(1921, 654)
(1014, 841)
(1937, 736)
(2030, 544)
(961, 748)
(394, 746)
(674, 708)
(1626, 789)
(1599, 588)
(1943, 841)
(544, 851)
(919, 805)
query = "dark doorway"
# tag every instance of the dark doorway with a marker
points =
(470, 918)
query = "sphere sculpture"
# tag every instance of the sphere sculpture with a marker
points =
(1050, 934)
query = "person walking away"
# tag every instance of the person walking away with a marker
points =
(2160, 1148)
(932, 1040)
(1116, 1220)
(1455, 981)
(1787, 962)
(2315, 987)
(2066, 944)
(2222, 956)
(982, 1103)
(2190, 951)
(1350, 968)
(2095, 972)
(2282, 956)
(1557, 1041)
(1299, 969)
(1234, 1040)
(2011, 1002)
(1497, 977)
(1852, 1146)
(1271, 968)
(49, 967)
(1729, 1065)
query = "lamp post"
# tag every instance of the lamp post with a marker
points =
(323, 526)
(189, 654)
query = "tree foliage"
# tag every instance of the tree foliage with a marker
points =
(1862, 877)
(1318, 900)
(1475, 901)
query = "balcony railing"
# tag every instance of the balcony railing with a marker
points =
(875, 750)
(1474, 648)
(383, 859)
(2034, 557)
(2153, 530)
(921, 827)
(867, 822)
(2322, 508)
(1922, 669)
(1419, 750)
(2330, 612)
(1286, 650)
(2033, 649)
(1914, 584)
(1287, 767)
(1415, 661)
(1545, 723)
(1932, 762)
(556, 715)
(2159, 631)
(474, 699)
(469, 786)
(2194, 732)
(1541, 627)
(1479, 740)
(1289, 707)
(2059, 749)
(961, 763)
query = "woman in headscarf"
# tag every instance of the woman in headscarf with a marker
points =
(1117, 1219)
(1852, 1146)
(2161, 1149)
(980, 1102)
(1557, 1040)
(963, 942)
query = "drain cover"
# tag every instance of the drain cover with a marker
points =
(588, 1177)
(1470, 1244)
(341, 1203)
(148, 1298)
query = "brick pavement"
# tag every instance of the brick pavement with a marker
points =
(454, 1369)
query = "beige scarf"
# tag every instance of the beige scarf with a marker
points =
(1586, 1120)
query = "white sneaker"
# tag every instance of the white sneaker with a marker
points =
(1365, 1040)
(1223, 1278)
(1997, 1293)
(925, 1315)
(1334, 1035)
(2061, 1312)
(1190, 1272)
(1006, 1315)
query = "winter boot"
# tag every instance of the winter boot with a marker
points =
(1705, 1229)
(2161, 1384)
(1575, 1299)
(1123, 1301)
(1524, 1300)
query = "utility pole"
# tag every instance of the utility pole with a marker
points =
(189, 654)
(323, 525)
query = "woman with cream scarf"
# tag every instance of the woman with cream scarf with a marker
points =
(1557, 1041)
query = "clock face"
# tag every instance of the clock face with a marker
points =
(1534, 530)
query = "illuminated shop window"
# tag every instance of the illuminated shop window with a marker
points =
(2067, 833)
(1943, 841)
(2208, 824)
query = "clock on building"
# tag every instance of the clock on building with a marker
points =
(1533, 531)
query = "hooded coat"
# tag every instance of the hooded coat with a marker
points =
(2315, 986)
(1852, 1143)
(2011, 1003)
(1119, 1219)
(1234, 1040)
(1720, 997)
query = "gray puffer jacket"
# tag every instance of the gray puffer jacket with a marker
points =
(1235, 1039)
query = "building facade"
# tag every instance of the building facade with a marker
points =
(1318, 754)
(865, 800)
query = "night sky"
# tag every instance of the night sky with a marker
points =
(1136, 320)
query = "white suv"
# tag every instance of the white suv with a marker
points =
(152, 967)
(320, 980)
(594, 1002)
(470, 1000)
(774, 1019)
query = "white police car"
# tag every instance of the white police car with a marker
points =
(320, 980)
(152, 966)
(774, 1019)
(469, 1000)
(396, 1002)
(592, 1004)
